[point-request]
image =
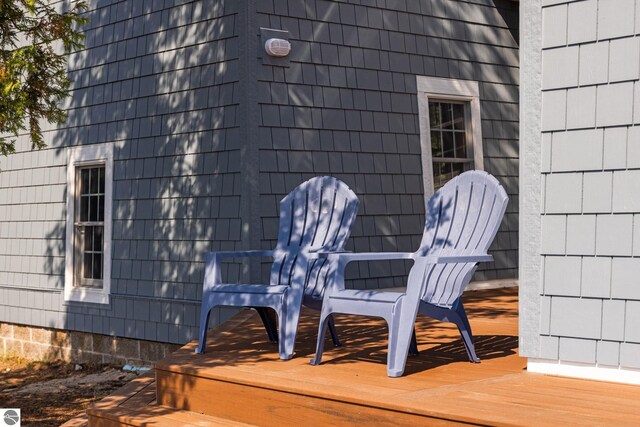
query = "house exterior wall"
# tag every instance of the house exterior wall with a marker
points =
(207, 139)
(345, 104)
(589, 172)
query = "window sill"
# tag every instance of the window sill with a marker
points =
(88, 295)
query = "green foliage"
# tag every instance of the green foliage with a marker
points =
(34, 39)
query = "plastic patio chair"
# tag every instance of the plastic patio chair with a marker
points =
(462, 219)
(315, 217)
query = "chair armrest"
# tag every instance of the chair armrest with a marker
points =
(347, 257)
(212, 261)
(451, 259)
(238, 254)
(341, 259)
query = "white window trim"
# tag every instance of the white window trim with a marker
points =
(454, 90)
(87, 155)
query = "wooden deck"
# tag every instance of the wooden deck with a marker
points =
(135, 405)
(241, 379)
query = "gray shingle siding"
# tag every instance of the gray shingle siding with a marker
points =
(189, 107)
(158, 80)
(346, 105)
(590, 73)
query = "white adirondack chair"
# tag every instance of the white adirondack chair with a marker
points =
(462, 219)
(315, 217)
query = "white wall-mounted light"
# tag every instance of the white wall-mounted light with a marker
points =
(277, 47)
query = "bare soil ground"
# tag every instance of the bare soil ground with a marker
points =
(51, 393)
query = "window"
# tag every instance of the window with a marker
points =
(89, 226)
(450, 130)
(88, 234)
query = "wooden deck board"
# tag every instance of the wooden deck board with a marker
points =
(134, 405)
(440, 383)
(144, 397)
(240, 379)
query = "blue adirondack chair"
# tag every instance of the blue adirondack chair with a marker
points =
(462, 219)
(315, 217)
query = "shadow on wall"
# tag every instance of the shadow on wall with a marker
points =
(158, 84)
(477, 52)
(161, 89)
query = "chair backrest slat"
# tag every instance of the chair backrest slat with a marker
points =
(478, 217)
(489, 226)
(324, 206)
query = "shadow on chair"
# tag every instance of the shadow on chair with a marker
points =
(462, 219)
(315, 217)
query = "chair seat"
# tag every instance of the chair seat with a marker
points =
(372, 296)
(248, 288)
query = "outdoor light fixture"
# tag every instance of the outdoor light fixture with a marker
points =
(277, 47)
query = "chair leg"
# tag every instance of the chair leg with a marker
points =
(322, 330)
(456, 315)
(282, 332)
(268, 323)
(401, 325)
(462, 322)
(205, 311)
(287, 334)
(413, 347)
(334, 333)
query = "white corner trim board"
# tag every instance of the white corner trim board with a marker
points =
(584, 371)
